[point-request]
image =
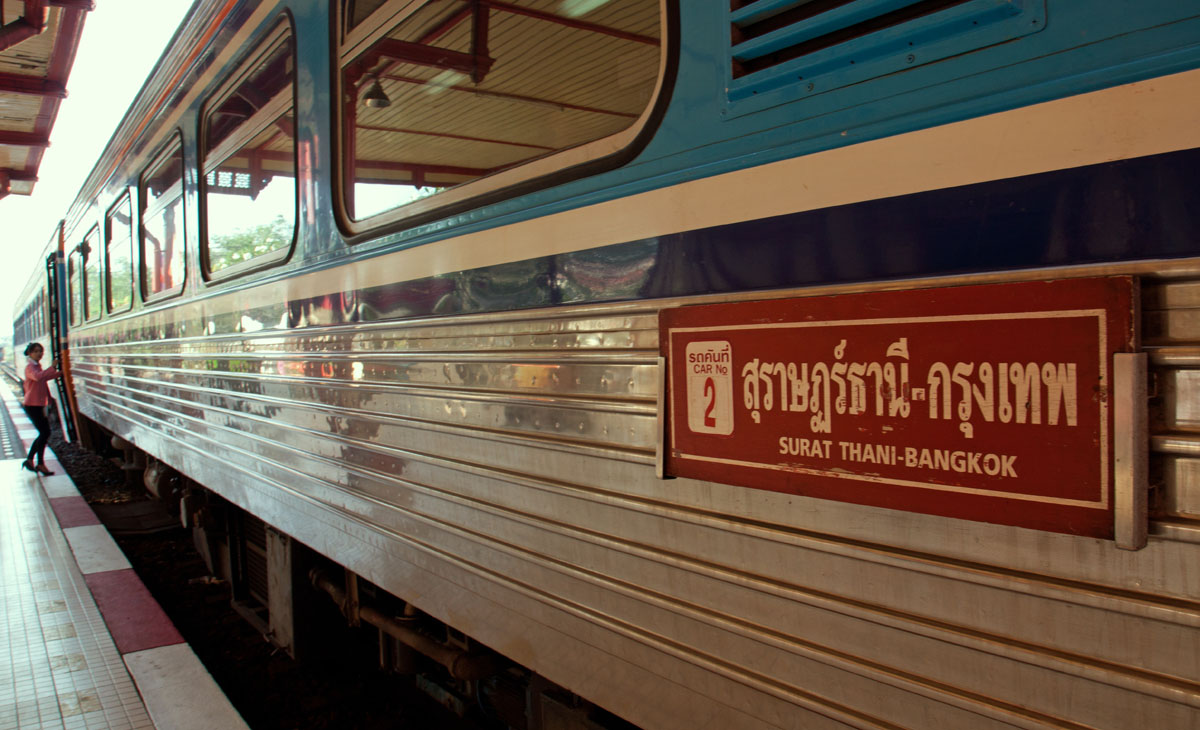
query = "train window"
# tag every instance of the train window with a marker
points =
(162, 222)
(448, 100)
(359, 10)
(250, 163)
(118, 255)
(75, 286)
(91, 274)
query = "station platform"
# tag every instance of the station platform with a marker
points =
(87, 646)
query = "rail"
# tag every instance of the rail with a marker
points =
(8, 372)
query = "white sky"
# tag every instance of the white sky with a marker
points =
(122, 40)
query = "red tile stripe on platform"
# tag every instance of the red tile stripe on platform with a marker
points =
(73, 512)
(133, 616)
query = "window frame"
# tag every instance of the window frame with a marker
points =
(75, 292)
(555, 168)
(127, 199)
(86, 253)
(211, 159)
(165, 151)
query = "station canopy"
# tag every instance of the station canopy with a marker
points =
(38, 40)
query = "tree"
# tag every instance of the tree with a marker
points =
(249, 243)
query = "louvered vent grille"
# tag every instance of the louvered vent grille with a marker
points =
(769, 32)
(812, 46)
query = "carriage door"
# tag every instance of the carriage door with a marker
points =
(55, 293)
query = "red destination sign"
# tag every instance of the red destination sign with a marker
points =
(987, 403)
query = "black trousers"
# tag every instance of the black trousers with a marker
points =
(37, 449)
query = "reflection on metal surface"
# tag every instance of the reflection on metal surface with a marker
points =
(519, 448)
(247, 324)
(1181, 493)
(493, 376)
(1129, 450)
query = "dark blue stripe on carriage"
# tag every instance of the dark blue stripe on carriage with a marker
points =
(1144, 208)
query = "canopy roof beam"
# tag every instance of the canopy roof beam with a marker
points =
(23, 139)
(422, 55)
(417, 167)
(550, 103)
(449, 23)
(448, 135)
(475, 64)
(570, 22)
(84, 5)
(32, 23)
(32, 85)
(47, 42)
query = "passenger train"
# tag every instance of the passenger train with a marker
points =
(682, 363)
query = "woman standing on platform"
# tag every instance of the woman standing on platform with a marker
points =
(37, 397)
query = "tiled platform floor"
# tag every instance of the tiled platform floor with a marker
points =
(67, 592)
(63, 669)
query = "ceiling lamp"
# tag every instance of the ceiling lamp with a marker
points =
(375, 96)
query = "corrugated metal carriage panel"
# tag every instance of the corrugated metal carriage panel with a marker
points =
(496, 467)
(315, 422)
(486, 530)
(1167, 651)
(377, 516)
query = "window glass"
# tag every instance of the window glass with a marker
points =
(119, 256)
(162, 222)
(358, 10)
(91, 274)
(457, 91)
(250, 168)
(75, 287)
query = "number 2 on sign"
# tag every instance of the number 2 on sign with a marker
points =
(710, 392)
(707, 367)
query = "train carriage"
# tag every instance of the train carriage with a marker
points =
(763, 363)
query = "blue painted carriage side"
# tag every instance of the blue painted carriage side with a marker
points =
(1085, 46)
(1115, 212)
(1122, 211)
(1109, 213)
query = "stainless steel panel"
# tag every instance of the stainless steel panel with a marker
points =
(1185, 444)
(1180, 394)
(499, 471)
(1181, 486)
(437, 522)
(1171, 295)
(1171, 312)
(371, 471)
(1173, 326)
(1130, 447)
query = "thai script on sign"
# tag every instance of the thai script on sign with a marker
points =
(1032, 393)
(986, 402)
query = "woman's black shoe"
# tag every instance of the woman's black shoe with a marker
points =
(41, 469)
(28, 467)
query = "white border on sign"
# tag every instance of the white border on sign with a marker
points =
(1099, 314)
